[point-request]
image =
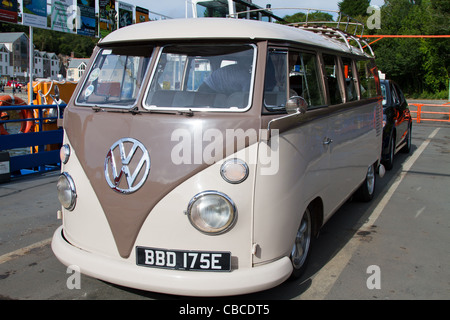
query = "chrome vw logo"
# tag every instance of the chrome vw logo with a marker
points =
(127, 157)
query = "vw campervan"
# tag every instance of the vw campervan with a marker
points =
(201, 156)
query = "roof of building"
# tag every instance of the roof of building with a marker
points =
(3, 48)
(76, 62)
(10, 37)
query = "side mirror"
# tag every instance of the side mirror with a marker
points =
(296, 104)
(56, 92)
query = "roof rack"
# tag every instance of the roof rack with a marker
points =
(339, 32)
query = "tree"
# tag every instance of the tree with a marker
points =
(314, 16)
(64, 43)
(418, 65)
(354, 8)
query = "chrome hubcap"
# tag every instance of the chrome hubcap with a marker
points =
(302, 241)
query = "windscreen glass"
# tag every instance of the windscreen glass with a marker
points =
(116, 77)
(202, 77)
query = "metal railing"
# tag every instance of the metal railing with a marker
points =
(338, 29)
(40, 156)
(420, 112)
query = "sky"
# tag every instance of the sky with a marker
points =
(177, 8)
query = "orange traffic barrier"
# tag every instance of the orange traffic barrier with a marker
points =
(420, 112)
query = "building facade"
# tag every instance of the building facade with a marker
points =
(5, 69)
(46, 65)
(76, 69)
(14, 62)
(17, 44)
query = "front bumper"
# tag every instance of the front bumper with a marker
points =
(189, 283)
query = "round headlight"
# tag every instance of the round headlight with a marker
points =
(234, 171)
(64, 153)
(212, 212)
(67, 194)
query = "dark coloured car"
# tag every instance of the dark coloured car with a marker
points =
(397, 122)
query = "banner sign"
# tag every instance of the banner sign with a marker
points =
(35, 13)
(86, 23)
(141, 15)
(107, 14)
(8, 11)
(125, 14)
(153, 16)
(60, 15)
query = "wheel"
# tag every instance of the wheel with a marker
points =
(407, 147)
(389, 163)
(302, 246)
(367, 189)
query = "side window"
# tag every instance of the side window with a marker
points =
(384, 93)
(332, 72)
(401, 97)
(350, 80)
(304, 78)
(292, 74)
(366, 72)
(395, 98)
(275, 83)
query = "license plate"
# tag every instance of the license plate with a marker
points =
(183, 260)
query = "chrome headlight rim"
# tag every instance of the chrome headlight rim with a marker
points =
(73, 191)
(234, 161)
(213, 231)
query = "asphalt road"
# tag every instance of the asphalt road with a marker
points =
(395, 247)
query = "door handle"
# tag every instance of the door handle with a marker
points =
(327, 141)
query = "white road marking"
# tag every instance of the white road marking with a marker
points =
(323, 281)
(23, 251)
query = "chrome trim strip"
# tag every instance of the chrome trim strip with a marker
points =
(238, 161)
(217, 193)
(73, 190)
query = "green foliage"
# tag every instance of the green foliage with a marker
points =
(313, 16)
(421, 66)
(64, 43)
(354, 8)
(417, 64)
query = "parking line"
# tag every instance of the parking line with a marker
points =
(23, 251)
(324, 280)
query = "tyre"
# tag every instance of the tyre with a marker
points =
(407, 147)
(367, 189)
(389, 163)
(302, 246)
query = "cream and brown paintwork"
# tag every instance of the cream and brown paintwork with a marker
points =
(101, 234)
